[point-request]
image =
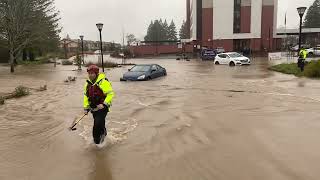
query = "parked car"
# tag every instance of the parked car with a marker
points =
(220, 50)
(296, 47)
(144, 72)
(208, 54)
(232, 59)
(313, 51)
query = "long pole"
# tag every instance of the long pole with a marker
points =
(101, 51)
(300, 31)
(269, 39)
(82, 51)
(123, 46)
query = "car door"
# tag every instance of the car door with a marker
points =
(222, 58)
(160, 71)
(218, 59)
(228, 59)
(153, 71)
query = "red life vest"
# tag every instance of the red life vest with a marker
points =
(95, 94)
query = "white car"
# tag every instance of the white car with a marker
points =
(313, 51)
(232, 59)
(296, 47)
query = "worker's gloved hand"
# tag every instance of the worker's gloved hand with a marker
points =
(100, 106)
(86, 111)
(107, 105)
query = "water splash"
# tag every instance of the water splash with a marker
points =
(117, 132)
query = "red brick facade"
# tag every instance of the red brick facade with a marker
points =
(207, 23)
(267, 27)
(188, 17)
(149, 50)
(245, 26)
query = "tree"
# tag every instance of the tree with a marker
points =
(131, 38)
(28, 23)
(312, 19)
(183, 33)
(160, 31)
(166, 30)
(156, 31)
(172, 36)
(149, 32)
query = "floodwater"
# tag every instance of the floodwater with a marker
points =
(200, 122)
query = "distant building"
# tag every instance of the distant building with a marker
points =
(310, 36)
(234, 24)
(73, 45)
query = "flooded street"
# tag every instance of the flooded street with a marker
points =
(200, 122)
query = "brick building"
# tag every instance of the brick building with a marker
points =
(234, 24)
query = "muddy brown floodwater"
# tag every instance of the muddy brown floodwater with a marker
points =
(200, 122)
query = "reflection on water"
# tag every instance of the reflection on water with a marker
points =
(101, 168)
(98, 59)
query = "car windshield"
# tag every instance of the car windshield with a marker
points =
(140, 69)
(235, 55)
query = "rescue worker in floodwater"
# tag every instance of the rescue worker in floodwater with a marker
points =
(98, 95)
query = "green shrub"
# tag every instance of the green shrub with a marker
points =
(21, 91)
(312, 70)
(66, 62)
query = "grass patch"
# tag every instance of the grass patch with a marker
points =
(40, 60)
(287, 69)
(35, 62)
(21, 91)
(311, 70)
(107, 64)
(66, 62)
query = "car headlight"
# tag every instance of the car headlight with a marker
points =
(142, 77)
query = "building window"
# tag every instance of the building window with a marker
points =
(237, 16)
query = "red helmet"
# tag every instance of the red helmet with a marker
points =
(93, 68)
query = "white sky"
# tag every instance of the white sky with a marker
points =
(290, 6)
(78, 17)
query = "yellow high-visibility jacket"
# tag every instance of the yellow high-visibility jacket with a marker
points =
(105, 86)
(303, 54)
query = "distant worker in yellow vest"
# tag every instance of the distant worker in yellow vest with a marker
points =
(302, 57)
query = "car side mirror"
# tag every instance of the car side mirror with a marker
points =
(153, 70)
(129, 69)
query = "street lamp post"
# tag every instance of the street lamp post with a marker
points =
(81, 37)
(100, 26)
(301, 11)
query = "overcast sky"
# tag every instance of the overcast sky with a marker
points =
(134, 16)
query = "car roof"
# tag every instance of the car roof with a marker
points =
(230, 53)
(145, 64)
